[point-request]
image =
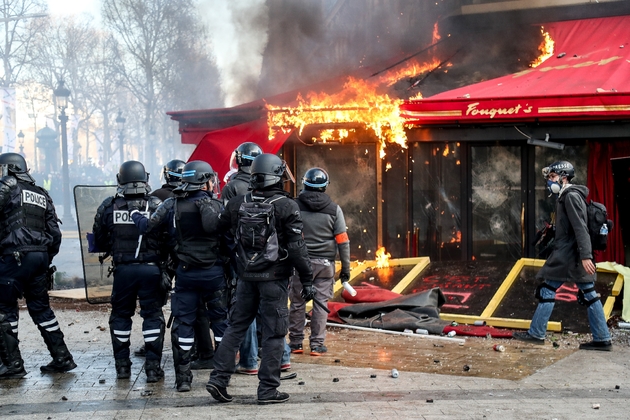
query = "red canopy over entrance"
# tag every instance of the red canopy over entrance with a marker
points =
(586, 79)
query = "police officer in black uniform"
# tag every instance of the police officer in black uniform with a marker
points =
(266, 291)
(239, 182)
(191, 218)
(172, 174)
(137, 275)
(30, 239)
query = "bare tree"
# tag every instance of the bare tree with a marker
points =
(18, 19)
(67, 51)
(152, 32)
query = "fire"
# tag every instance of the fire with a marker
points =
(382, 258)
(436, 33)
(358, 102)
(546, 48)
(411, 69)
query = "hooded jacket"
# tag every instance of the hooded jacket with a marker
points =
(572, 242)
(323, 221)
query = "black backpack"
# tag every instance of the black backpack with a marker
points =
(597, 217)
(257, 246)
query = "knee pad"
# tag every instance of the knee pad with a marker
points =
(581, 297)
(538, 293)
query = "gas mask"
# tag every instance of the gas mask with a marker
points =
(554, 187)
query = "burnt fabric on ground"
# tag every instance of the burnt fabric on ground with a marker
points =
(418, 310)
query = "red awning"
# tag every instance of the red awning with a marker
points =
(216, 147)
(588, 78)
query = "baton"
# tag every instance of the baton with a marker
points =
(321, 305)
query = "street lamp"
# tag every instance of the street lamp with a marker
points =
(21, 140)
(61, 94)
(120, 123)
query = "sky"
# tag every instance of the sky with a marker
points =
(70, 7)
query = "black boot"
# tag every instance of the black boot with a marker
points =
(123, 368)
(10, 353)
(202, 364)
(153, 370)
(62, 359)
(183, 378)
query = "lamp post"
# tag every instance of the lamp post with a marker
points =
(120, 123)
(61, 94)
(21, 140)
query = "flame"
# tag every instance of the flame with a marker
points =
(382, 258)
(457, 237)
(360, 102)
(546, 48)
(436, 33)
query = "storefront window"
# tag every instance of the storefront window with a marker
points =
(437, 203)
(496, 202)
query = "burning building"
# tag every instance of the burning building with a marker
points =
(437, 152)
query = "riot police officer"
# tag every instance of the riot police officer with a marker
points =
(172, 174)
(263, 275)
(325, 233)
(238, 183)
(191, 217)
(203, 350)
(30, 239)
(137, 275)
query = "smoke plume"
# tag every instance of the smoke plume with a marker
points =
(238, 30)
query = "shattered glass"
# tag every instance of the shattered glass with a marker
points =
(496, 202)
(437, 201)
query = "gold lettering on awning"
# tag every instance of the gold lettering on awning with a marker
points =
(492, 112)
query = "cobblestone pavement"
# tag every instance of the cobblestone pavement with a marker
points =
(568, 389)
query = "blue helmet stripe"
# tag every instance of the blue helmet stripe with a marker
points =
(189, 173)
(310, 184)
(171, 173)
(248, 157)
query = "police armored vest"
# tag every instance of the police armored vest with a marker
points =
(194, 246)
(28, 212)
(128, 246)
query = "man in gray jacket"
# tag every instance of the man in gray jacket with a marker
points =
(324, 234)
(570, 261)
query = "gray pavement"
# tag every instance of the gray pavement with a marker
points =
(567, 389)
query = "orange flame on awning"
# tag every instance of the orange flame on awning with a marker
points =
(546, 48)
(382, 258)
(360, 102)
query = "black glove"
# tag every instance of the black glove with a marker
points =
(308, 292)
(344, 276)
(9, 181)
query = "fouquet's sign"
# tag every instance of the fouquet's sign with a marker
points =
(475, 109)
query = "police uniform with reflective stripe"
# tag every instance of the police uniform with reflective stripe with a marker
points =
(136, 273)
(193, 221)
(29, 240)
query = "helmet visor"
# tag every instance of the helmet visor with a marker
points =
(4, 170)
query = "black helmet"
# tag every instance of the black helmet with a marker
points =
(315, 179)
(195, 175)
(15, 163)
(562, 168)
(172, 172)
(132, 178)
(268, 170)
(245, 154)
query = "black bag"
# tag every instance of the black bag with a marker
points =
(257, 245)
(598, 225)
